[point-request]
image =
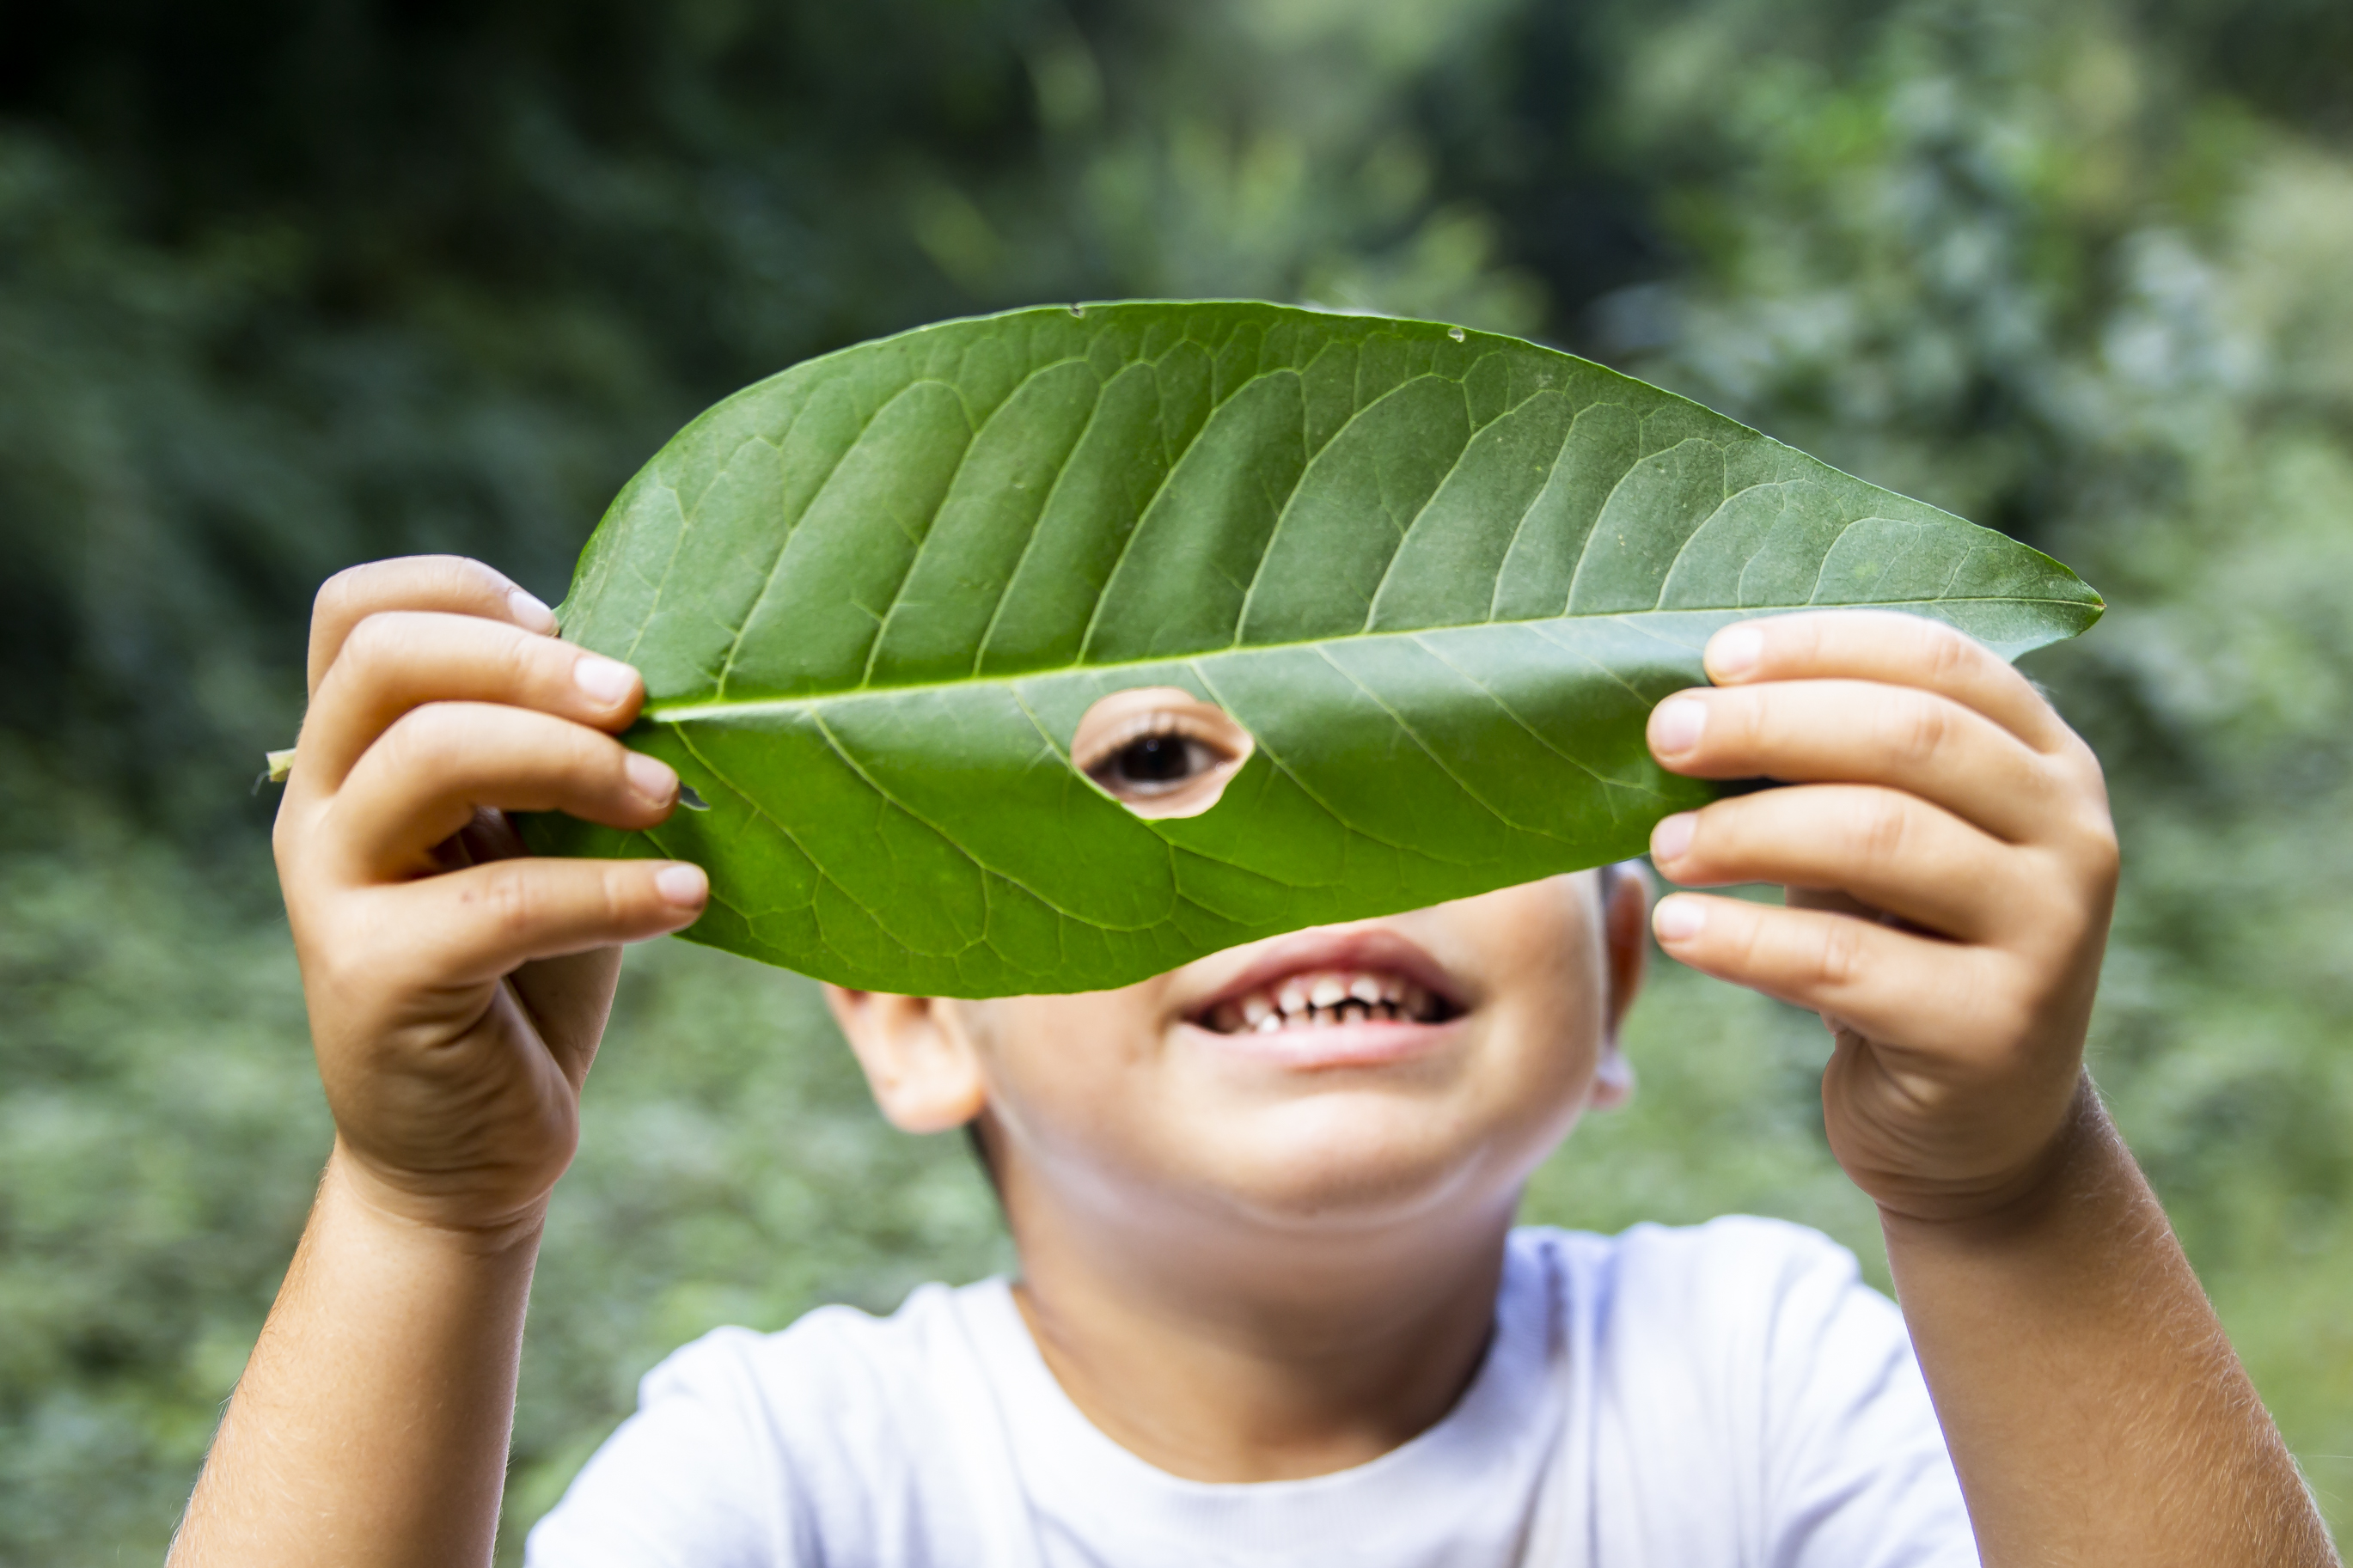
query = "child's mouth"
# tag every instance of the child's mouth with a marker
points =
(1326, 999)
(1363, 995)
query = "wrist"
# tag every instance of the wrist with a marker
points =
(400, 1217)
(2067, 1166)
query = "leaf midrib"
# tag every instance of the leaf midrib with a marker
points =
(683, 713)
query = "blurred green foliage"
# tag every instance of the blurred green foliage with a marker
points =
(285, 286)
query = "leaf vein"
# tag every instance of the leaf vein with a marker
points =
(1426, 749)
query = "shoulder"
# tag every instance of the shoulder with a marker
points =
(750, 1448)
(1748, 1359)
(1739, 1310)
(832, 1347)
(1729, 1264)
(841, 1392)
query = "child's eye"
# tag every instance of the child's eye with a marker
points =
(1159, 750)
(1154, 764)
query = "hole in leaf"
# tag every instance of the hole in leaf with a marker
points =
(1160, 751)
(689, 799)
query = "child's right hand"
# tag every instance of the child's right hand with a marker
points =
(457, 990)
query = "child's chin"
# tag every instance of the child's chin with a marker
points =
(1344, 1166)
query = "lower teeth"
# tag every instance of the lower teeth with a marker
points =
(1351, 1012)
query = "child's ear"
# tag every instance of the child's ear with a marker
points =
(1626, 942)
(918, 1055)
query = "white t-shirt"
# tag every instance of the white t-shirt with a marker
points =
(1726, 1394)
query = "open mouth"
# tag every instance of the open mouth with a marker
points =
(1331, 980)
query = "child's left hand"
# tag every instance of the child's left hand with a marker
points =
(1951, 866)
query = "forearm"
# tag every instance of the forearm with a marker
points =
(2095, 1410)
(370, 1428)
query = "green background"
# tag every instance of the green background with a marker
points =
(284, 287)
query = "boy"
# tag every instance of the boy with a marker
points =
(1272, 1308)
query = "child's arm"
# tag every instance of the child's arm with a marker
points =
(456, 994)
(1954, 841)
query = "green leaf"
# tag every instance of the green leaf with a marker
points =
(1440, 577)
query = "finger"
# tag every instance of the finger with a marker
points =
(1898, 988)
(451, 583)
(429, 774)
(1890, 646)
(568, 997)
(1891, 850)
(1859, 731)
(395, 661)
(478, 924)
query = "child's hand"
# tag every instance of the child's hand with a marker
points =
(456, 990)
(1951, 866)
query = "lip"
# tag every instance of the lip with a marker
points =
(1367, 1044)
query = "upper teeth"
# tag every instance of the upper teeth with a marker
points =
(1324, 999)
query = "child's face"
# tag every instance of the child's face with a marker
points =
(1360, 1071)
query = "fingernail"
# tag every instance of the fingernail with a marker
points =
(1675, 725)
(651, 777)
(606, 680)
(682, 885)
(529, 613)
(1679, 919)
(1735, 650)
(1672, 836)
